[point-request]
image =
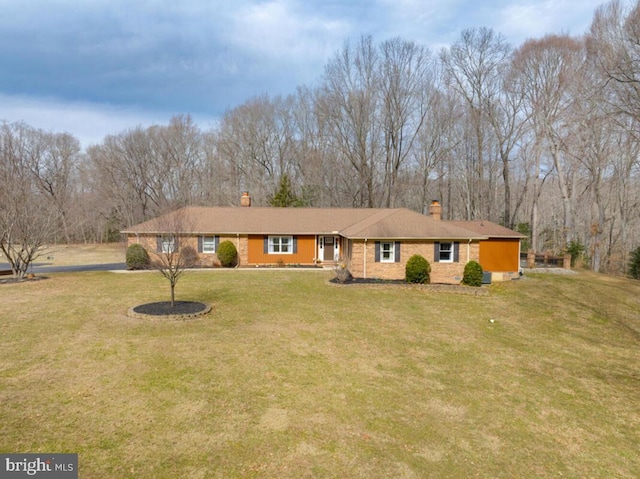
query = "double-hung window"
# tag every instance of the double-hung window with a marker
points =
(167, 244)
(447, 252)
(208, 244)
(387, 252)
(280, 245)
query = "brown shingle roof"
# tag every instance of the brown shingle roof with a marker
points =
(355, 223)
(402, 223)
(489, 229)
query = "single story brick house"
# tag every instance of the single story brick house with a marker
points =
(372, 242)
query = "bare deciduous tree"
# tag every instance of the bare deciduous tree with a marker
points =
(173, 254)
(548, 69)
(349, 105)
(473, 66)
(406, 82)
(29, 220)
(614, 41)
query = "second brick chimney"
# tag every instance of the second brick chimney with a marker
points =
(435, 210)
(245, 199)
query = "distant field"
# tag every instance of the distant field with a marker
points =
(292, 377)
(78, 254)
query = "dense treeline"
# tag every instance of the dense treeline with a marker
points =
(543, 138)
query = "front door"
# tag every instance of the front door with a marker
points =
(329, 248)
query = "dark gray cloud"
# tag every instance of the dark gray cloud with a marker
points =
(202, 57)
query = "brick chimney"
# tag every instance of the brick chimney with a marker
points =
(435, 210)
(245, 199)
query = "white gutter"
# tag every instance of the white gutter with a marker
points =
(365, 259)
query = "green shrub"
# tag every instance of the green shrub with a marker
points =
(576, 250)
(227, 254)
(634, 264)
(137, 257)
(418, 270)
(472, 274)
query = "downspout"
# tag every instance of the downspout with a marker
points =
(469, 251)
(519, 253)
(364, 260)
(238, 248)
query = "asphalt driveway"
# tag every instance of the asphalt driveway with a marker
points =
(42, 268)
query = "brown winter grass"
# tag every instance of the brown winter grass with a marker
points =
(291, 377)
(82, 254)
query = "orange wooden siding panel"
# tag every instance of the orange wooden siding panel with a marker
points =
(306, 251)
(500, 255)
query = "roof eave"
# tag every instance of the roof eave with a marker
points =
(417, 238)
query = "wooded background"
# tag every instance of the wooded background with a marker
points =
(542, 138)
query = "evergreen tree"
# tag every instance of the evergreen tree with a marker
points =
(634, 264)
(285, 196)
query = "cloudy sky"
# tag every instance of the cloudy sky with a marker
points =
(96, 67)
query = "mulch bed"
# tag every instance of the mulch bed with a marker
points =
(369, 281)
(443, 288)
(28, 279)
(164, 310)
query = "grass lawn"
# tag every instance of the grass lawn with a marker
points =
(81, 254)
(291, 377)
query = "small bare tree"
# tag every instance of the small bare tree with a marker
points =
(25, 232)
(174, 254)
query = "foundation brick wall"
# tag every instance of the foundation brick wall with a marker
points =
(448, 273)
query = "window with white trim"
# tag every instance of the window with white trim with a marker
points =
(387, 252)
(167, 244)
(280, 245)
(446, 253)
(208, 244)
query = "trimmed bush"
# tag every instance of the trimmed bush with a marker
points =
(472, 274)
(418, 270)
(137, 257)
(227, 254)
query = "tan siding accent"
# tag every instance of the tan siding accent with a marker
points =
(500, 255)
(305, 255)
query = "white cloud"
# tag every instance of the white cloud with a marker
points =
(88, 122)
(280, 28)
(534, 19)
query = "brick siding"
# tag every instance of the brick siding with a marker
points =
(447, 273)
(149, 242)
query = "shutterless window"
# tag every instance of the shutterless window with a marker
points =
(280, 244)
(168, 244)
(446, 252)
(208, 244)
(387, 252)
